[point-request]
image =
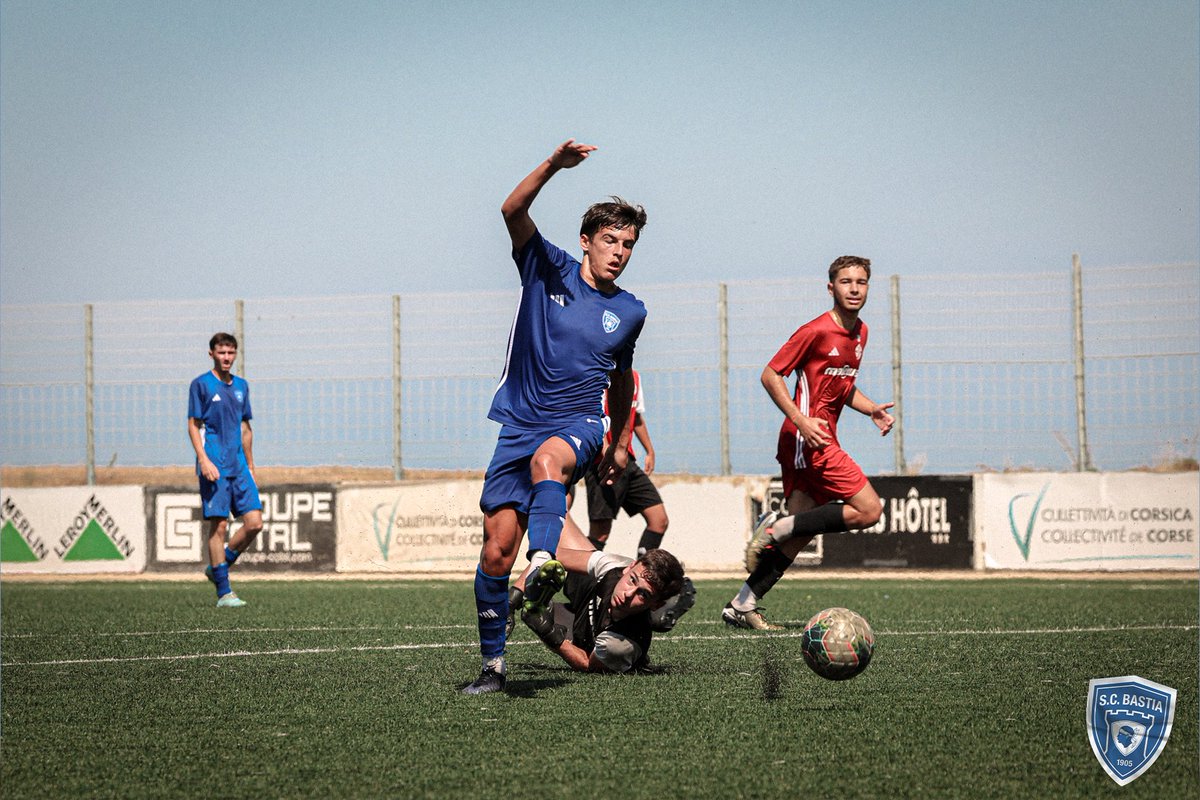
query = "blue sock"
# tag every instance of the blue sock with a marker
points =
(231, 555)
(221, 578)
(491, 605)
(547, 510)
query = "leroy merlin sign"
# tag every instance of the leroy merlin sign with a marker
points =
(73, 529)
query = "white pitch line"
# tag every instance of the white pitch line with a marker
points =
(192, 631)
(794, 634)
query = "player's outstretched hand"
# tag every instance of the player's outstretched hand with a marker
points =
(570, 153)
(612, 465)
(882, 419)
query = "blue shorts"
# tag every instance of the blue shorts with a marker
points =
(237, 493)
(508, 482)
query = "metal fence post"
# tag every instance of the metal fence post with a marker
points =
(397, 440)
(897, 382)
(239, 331)
(89, 393)
(723, 333)
(1084, 459)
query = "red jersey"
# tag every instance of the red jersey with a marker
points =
(637, 406)
(827, 357)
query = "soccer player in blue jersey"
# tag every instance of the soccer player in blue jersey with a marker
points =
(573, 337)
(219, 428)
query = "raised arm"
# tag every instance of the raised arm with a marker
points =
(516, 206)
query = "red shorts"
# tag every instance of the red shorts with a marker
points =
(824, 475)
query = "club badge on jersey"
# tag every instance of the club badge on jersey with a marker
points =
(1128, 722)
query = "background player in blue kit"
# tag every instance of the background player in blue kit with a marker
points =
(219, 428)
(573, 337)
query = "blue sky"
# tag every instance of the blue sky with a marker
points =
(264, 149)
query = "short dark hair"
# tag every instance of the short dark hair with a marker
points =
(222, 338)
(845, 262)
(613, 213)
(663, 571)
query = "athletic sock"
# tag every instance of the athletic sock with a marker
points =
(746, 599)
(822, 519)
(221, 579)
(536, 559)
(651, 540)
(598, 543)
(547, 511)
(771, 566)
(491, 606)
(231, 555)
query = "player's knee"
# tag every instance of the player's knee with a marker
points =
(866, 517)
(547, 465)
(496, 560)
(498, 555)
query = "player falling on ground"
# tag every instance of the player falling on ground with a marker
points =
(824, 489)
(610, 617)
(219, 429)
(573, 336)
(663, 617)
(633, 491)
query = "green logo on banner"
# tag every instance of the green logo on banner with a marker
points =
(93, 545)
(13, 547)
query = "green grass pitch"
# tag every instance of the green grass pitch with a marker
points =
(338, 689)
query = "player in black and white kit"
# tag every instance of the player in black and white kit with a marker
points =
(609, 618)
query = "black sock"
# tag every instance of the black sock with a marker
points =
(597, 543)
(771, 566)
(651, 540)
(822, 519)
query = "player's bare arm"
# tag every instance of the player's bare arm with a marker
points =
(878, 412)
(516, 206)
(248, 447)
(643, 435)
(620, 400)
(207, 468)
(815, 431)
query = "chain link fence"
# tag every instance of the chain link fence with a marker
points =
(1092, 368)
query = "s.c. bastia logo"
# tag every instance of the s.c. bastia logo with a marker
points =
(1128, 720)
(611, 321)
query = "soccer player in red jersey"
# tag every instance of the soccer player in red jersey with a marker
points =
(825, 490)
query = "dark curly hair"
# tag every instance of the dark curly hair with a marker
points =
(663, 571)
(614, 213)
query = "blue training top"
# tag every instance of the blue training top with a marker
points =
(565, 339)
(221, 407)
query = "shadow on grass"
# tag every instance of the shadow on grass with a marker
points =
(529, 689)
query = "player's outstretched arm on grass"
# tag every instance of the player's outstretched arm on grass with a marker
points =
(878, 412)
(815, 431)
(557, 638)
(516, 207)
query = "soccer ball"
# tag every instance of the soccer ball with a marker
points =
(837, 644)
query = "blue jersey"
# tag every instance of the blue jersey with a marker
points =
(221, 407)
(566, 338)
